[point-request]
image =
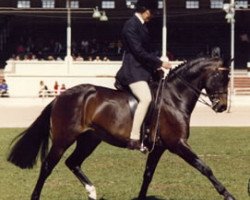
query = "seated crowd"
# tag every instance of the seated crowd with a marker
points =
(84, 50)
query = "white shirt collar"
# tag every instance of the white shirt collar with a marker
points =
(139, 17)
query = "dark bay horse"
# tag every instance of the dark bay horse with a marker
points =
(88, 114)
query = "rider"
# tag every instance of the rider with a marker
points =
(139, 64)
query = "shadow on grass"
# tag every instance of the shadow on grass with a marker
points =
(152, 198)
(148, 198)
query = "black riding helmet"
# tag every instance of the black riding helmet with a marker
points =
(143, 5)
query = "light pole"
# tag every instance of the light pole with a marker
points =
(164, 30)
(96, 14)
(230, 16)
(68, 57)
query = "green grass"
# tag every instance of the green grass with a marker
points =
(117, 173)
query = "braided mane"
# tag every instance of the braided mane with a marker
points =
(191, 66)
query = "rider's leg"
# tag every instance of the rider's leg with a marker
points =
(142, 91)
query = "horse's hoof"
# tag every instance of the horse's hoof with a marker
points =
(229, 197)
(141, 198)
(35, 197)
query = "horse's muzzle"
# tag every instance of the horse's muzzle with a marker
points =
(219, 105)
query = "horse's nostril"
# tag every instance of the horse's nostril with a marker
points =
(224, 107)
(221, 108)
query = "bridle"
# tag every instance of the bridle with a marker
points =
(201, 94)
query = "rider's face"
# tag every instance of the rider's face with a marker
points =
(147, 15)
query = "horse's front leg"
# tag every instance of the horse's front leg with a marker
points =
(152, 161)
(185, 152)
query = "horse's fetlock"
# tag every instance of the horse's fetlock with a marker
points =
(91, 191)
(35, 196)
(207, 171)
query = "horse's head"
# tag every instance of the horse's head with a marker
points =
(216, 85)
(195, 75)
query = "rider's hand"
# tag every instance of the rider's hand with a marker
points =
(166, 65)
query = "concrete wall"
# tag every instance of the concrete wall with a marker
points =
(23, 77)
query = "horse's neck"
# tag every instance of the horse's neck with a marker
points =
(182, 94)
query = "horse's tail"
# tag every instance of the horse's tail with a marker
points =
(25, 151)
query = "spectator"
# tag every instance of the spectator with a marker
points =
(26, 57)
(74, 47)
(97, 59)
(90, 58)
(29, 45)
(57, 49)
(63, 88)
(50, 57)
(59, 58)
(18, 57)
(33, 57)
(20, 49)
(85, 46)
(3, 88)
(79, 57)
(56, 88)
(105, 59)
(43, 89)
(94, 47)
(13, 57)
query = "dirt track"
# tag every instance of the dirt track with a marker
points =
(21, 112)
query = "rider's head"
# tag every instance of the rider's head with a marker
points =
(146, 8)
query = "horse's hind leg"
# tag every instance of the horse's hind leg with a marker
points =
(48, 165)
(152, 161)
(190, 157)
(86, 144)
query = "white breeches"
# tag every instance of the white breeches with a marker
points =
(142, 91)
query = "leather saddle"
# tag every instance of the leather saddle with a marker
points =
(147, 134)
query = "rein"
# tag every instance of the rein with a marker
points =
(197, 92)
(158, 97)
(159, 94)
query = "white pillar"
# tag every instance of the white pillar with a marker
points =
(164, 31)
(68, 57)
(232, 24)
(232, 45)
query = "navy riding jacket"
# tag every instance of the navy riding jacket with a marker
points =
(139, 61)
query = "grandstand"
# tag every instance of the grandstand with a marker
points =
(37, 28)
(192, 30)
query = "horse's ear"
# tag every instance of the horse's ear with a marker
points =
(215, 52)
